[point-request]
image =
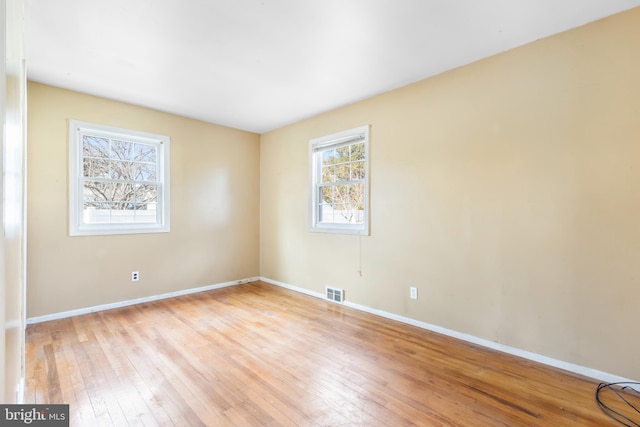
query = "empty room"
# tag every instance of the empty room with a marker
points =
(296, 213)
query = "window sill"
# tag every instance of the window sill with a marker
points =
(108, 231)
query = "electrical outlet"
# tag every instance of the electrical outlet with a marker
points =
(413, 292)
(135, 276)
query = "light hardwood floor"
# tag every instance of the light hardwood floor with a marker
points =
(260, 355)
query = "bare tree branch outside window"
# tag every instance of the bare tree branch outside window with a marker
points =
(342, 186)
(120, 179)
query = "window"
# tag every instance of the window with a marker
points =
(118, 180)
(340, 182)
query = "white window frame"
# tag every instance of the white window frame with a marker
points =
(77, 226)
(316, 147)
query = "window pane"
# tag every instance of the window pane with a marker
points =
(357, 170)
(122, 212)
(96, 213)
(144, 153)
(326, 195)
(342, 154)
(146, 193)
(328, 157)
(357, 151)
(325, 213)
(123, 196)
(340, 214)
(353, 215)
(122, 170)
(340, 193)
(144, 213)
(95, 168)
(342, 172)
(143, 172)
(95, 191)
(329, 174)
(121, 150)
(92, 146)
(356, 195)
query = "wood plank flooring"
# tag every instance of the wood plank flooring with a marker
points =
(259, 355)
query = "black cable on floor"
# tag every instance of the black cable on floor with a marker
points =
(628, 418)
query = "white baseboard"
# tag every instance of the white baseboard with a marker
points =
(293, 288)
(80, 311)
(567, 366)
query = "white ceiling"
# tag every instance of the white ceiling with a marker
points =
(261, 64)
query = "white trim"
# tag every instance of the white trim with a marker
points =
(545, 360)
(316, 145)
(102, 307)
(77, 227)
(20, 391)
(293, 288)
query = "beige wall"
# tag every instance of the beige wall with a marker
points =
(214, 209)
(507, 191)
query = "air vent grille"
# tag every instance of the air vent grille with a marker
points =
(336, 295)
